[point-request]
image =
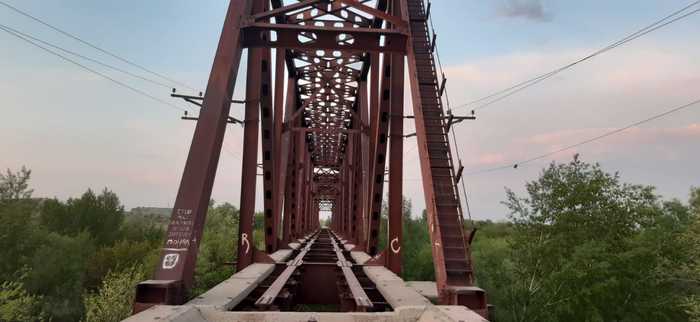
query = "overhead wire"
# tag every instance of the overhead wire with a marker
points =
(42, 44)
(589, 140)
(112, 67)
(91, 70)
(34, 41)
(454, 137)
(514, 89)
(93, 46)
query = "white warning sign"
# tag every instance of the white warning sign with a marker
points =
(170, 260)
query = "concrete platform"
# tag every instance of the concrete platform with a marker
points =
(207, 314)
(411, 301)
(427, 289)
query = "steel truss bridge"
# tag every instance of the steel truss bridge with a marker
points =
(328, 112)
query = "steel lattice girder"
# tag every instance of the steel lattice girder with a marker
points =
(324, 140)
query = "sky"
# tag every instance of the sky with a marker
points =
(76, 130)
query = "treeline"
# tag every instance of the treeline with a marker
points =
(80, 259)
(584, 246)
(580, 246)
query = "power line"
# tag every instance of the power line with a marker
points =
(35, 42)
(512, 90)
(596, 138)
(28, 39)
(85, 42)
(122, 84)
(155, 82)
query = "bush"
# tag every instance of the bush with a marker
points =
(113, 301)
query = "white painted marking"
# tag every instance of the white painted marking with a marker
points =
(170, 260)
(394, 249)
(244, 241)
(175, 249)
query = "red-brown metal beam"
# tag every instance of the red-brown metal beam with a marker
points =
(427, 178)
(267, 141)
(246, 247)
(394, 240)
(324, 38)
(286, 162)
(365, 148)
(288, 232)
(279, 169)
(379, 137)
(175, 270)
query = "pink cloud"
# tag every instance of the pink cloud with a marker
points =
(491, 159)
(664, 142)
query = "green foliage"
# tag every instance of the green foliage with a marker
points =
(58, 273)
(695, 200)
(19, 236)
(259, 230)
(16, 304)
(586, 247)
(52, 253)
(122, 255)
(15, 185)
(113, 301)
(688, 273)
(99, 215)
(582, 246)
(417, 255)
(218, 247)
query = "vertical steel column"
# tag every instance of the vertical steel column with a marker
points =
(395, 229)
(250, 160)
(175, 270)
(279, 162)
(349, 184)
(379, 137)
(299, 180)
(307, 192)
(365, 147)
(393, 260)
(363, 189)
(288, 163)
(342, 201)
(254, 90)
(267, 142)
(373, 117)
(357, 205)
(290, 197)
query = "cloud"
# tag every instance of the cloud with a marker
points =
(527, 9)
(666, 141)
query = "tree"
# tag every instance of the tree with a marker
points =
(16, 304)
(100, 215)
(58, 273)
(695, 200)
(217, 247)
(585, 248)
(20, 236)
(113, 302)
(120, 256)
(15, 185)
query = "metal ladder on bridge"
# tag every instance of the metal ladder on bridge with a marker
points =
(458, 281)
(449, 211)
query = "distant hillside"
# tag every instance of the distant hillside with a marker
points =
(156, 214)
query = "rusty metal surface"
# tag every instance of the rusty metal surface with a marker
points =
(271, 294)
(327, 115)
(179, 254)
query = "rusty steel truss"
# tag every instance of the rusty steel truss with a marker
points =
(325, 104)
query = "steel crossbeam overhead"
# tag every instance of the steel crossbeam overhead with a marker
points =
(324, 104)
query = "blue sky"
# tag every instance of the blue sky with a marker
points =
(76, 130)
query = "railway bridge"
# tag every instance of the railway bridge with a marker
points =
(324, 104)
